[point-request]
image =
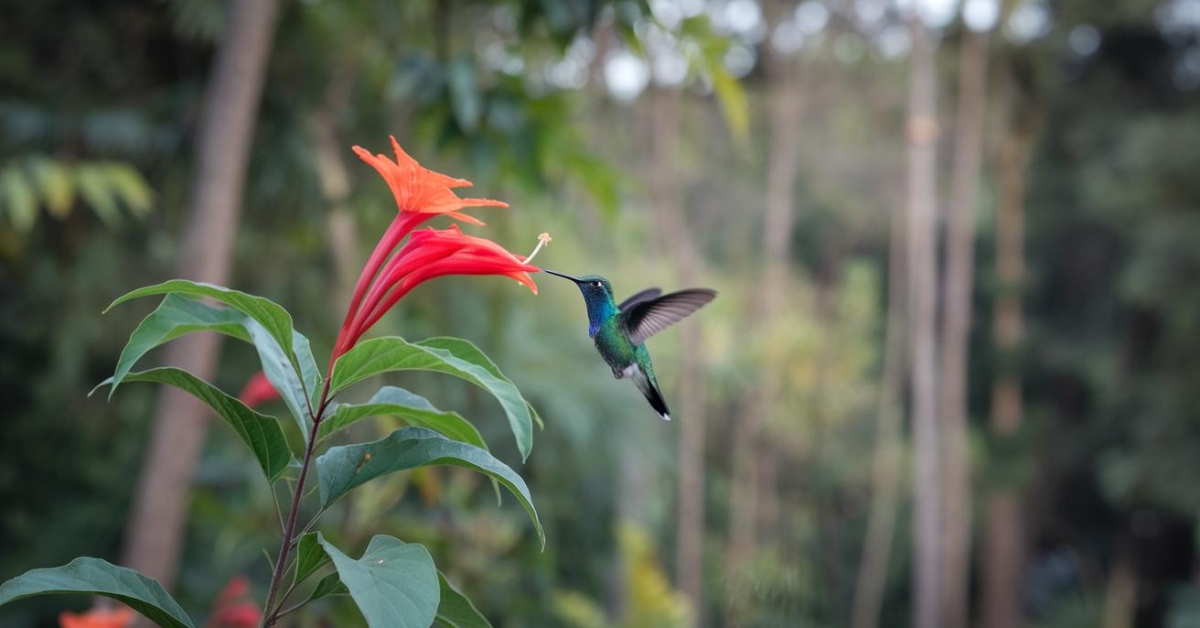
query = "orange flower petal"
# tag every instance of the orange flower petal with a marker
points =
(418, 189)
(404, 161)
(467, 218)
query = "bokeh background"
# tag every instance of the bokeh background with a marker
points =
(951, 378)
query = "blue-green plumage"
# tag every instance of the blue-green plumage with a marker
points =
(619, 331)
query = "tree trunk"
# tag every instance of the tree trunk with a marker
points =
(922, 269)
(1004, 550)
(1120, 594)
(335, 185)
(690, 401)
(154, 533)
(689, 527)
(960, 270)
(881, 523)
(783, 100)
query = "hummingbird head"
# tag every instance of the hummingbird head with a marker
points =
(597, 294)
(589, 285)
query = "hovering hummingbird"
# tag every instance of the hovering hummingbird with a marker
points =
(620, 331)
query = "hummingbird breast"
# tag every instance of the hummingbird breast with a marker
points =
(615, 347)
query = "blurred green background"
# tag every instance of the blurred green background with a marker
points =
(765, 149)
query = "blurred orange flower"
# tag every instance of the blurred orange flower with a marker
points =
(115, 618)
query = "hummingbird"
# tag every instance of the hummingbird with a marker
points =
(620, 330)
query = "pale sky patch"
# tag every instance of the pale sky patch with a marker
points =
(869, 12)
(1029, 21)
(742, 16)
(981, 15)
(787, 38)
(1084, 40)
(670, 68)
(937, 13)
(811, 16)
(894, 42)
(739, 60)
(625, 75)
(1176, 16)
(667, 13)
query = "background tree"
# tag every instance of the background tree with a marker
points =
(922, 129)
(961, 209)
(225, 134)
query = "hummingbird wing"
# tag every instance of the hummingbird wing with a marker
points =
(644, 295)
(647, 318)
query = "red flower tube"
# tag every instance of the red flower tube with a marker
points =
(433, 253)
(257, 391)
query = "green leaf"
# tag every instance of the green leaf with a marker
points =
(310, 556)
(414, 409)
(281, 371)
(92, 576)
(466, 350)
(178, 315)
(175, 317)
(329, 585)
(383, 355)
(270, 315)
(130, 187)
(17, 194)
(310, 373)
(394, 584)
(455, 610)
(707, 53)
(94, 188)
(259, 431)
(733, 101)
(343, 468)
(54, 183)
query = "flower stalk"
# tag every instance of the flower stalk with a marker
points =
(285, 545)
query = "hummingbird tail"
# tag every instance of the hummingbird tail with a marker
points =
(652, 394)
(659, 405)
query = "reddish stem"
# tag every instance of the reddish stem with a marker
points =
(270, 615)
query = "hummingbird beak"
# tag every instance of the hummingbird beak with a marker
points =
(564, 276)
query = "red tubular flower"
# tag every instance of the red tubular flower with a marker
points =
(257, 391)
(433, 253)
(238, 586)
(394, 269)
(240, 615)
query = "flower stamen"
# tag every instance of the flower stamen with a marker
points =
(543, 239)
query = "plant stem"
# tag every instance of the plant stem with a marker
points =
(291, 609)
(275, 612)
(271, 614)
(285, 546)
